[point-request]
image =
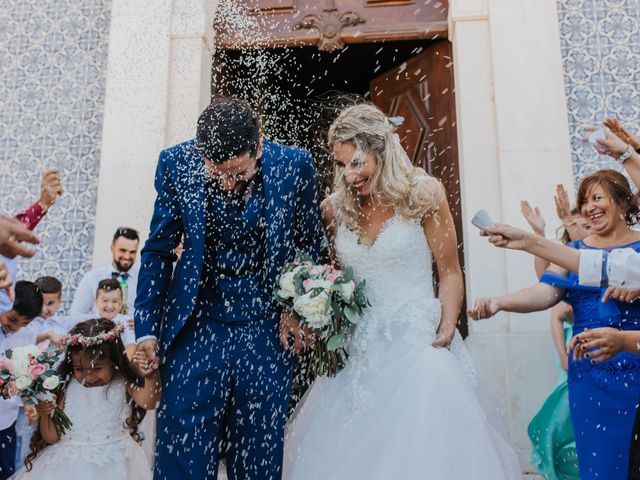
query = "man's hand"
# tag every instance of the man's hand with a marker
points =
(50, 188)
(147, 361)
(289, 326)
(12, 232)
(597, 345)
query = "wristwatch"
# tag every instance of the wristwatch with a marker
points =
(626, 155)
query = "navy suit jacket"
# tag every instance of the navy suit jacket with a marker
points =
(166, 298)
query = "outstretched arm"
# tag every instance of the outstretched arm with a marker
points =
(441, 235)
(532, 299)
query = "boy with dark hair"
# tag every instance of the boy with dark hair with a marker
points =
(26, 306)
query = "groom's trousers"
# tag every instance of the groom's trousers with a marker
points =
(215, 370)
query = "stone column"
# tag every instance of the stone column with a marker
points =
(514, 145)
(158, 81)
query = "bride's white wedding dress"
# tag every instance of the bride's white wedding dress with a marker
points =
(400, 409)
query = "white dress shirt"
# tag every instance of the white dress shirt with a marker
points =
(84, 298)
(60, 324)
(618, 268)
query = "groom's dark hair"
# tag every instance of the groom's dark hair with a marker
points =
(228, 128)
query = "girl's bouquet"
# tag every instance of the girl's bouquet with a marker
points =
(328, 301)
(28, 373)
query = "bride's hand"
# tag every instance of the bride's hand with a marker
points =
(443, 339)
(484, 308)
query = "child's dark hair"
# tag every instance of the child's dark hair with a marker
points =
(108, 285)
(28, 302)
(49, 285)
(113, 351)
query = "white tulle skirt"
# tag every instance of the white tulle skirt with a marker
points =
(64, 461)
(404, 410)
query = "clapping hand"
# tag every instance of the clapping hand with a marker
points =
(563, 206)
(598, 345)
(534, 217)
(612, 145)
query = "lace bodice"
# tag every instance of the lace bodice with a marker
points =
(398, 274)
(98, 413)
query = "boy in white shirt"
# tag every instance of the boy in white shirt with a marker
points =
(108, 303)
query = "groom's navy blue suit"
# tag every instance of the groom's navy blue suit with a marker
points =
(213, 315)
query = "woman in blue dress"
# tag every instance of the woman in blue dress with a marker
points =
(603, 396)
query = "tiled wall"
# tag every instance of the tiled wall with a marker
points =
(601, 54)
(53, 59)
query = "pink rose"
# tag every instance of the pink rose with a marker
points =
(11, 388)
(38, 369)
(332, 277)
(5, 364)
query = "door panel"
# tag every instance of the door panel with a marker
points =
(422, 91)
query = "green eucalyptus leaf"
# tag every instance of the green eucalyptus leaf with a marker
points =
(335, 342)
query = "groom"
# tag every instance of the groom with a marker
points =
(245, 206)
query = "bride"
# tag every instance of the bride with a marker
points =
(404, 406)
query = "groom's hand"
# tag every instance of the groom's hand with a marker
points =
(290, 327)
(147, 348)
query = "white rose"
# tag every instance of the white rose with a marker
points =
(347, 289)
(24, 352)
(287, 288)
(312, 309)
(51, 382)
(20, 368)
(23, 381)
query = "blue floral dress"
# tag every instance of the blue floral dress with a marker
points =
(602, 398)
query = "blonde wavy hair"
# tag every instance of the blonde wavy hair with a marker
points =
(414, 193)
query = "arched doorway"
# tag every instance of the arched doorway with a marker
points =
(290, 58)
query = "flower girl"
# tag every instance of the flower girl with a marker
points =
(105, 400)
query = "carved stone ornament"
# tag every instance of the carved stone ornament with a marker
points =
(330, 25)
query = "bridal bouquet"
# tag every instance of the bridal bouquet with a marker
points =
(28, 373)
(328, 301)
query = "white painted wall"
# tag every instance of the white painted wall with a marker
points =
(158, 82)
(514, 145)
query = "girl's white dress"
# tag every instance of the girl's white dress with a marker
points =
(400, 408)
(97, 446)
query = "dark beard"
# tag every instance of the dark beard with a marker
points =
(122, 268)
